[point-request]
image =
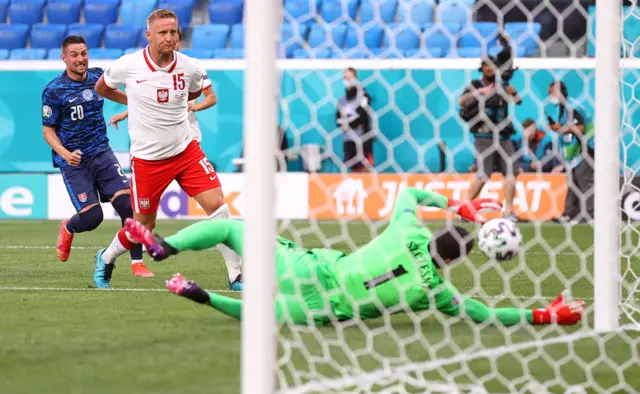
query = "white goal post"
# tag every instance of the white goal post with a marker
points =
(607, 198)
(258, 353)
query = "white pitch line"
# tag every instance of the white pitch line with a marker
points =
(161, 290)
(123, 290)
(102, 246)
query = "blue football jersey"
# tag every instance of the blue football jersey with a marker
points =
(74, 109)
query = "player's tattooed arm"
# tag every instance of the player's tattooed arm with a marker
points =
(210, 99)
(73, 158)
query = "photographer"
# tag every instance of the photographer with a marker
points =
(352, 116)
(484, 105)
(575, 130)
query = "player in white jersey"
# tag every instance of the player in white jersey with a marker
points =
(193, 107)
(159, 82)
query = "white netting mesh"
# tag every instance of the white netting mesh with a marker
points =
(421, 141)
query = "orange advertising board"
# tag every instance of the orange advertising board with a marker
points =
(367, 196)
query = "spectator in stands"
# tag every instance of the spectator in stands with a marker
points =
(484, 105)
(536, 149)
(353, 117)
(575, 129)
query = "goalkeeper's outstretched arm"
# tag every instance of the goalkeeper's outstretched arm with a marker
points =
(410, 198)
(562, 311)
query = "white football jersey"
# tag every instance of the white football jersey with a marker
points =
(159, 124)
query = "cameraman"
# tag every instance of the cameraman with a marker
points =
(575, 128)
(484, 105)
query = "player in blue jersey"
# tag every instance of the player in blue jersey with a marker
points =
(73, 125)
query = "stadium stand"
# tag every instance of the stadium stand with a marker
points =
(4, 9)
(28, 54)
(27, 12)
(104, 12)
(47, 36)
(4, 54)
(64, 12)
(210, 37)
(91, 32)
(225, 12)
(388, 27)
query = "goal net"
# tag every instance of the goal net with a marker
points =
(414, 58)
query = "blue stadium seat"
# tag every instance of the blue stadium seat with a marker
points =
(104, 12)
(333, 11)
(198, 53)
(131, 50)
(402, 36)
(4, 7)
(26, 12)
(225, 12)
(387, 13)
(430, 53)
(105, 53)
(292, 37)
(301, 11)
(28, 54)
(312, 54)
(418, 12)
(441, 35)
(121, 37)
(210, 36)
(455, 11)
(237, 36)
(480, 34)
(135, 12)
(228, 53)
(451, 28)
(54, 54)
(371, 36)
(465, 52)
(355, 53)
(92, 33)
(182, 9)
(13, 36)
(441, 41)
(143, 38)
(4, 54)
(47, 36)
(386, 53)
(64, 11)
(524, 34)
(327, 36)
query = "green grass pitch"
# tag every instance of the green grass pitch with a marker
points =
(59, 336)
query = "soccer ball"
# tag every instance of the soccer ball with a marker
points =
(500, 239)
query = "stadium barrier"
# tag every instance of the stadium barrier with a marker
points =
(313, 196)
(299, 196)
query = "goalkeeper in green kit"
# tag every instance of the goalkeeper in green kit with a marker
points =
(395, 272)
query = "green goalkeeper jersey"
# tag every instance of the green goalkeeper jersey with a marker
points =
(393, 272)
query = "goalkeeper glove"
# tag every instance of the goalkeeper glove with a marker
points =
(471, 210)
(563, 310)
